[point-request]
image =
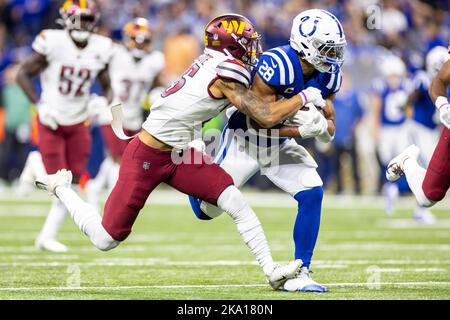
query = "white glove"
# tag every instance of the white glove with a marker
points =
(317, 127)
(99, 111)
(46, 116)
(302, 116)
(314, 96)
(443, 106)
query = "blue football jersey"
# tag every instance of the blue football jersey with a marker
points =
(280, 69)
(424, 109)
(393, 103)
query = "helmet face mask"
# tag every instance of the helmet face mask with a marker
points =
(329, 57)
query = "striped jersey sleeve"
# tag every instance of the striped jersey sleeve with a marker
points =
(275, 68)
(233, 70)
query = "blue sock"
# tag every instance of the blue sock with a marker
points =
(306, 228)
(195, 206)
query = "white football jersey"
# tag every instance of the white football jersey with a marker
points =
(71, 71)
(131, 80)
(187, 104)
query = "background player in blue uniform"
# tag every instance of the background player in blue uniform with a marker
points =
(311, 60)
(424, 131)
(390, 121)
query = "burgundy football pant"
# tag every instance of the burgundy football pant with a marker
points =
(437, 177)
(67, 147)
(143, 168)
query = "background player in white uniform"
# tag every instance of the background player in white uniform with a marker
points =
(133, 70)
(284, 72)
(424, 130)
(390, 122)
(68, 62)
(160, 153)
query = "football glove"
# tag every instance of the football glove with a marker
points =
(99, 111)
(302, 116)
(314, 96)
(317, 127)
(443, 106)
(46, 116)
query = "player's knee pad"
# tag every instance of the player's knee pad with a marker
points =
(103, 241)
(310, 197)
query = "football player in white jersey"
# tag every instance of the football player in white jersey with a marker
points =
(161, 152)
(134, 69)
(68, 61)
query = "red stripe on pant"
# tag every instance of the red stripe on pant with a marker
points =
(143, 168)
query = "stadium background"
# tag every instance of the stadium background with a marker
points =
(408, 28)
(361, 253)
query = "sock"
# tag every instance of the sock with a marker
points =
(96, 184)
(307, 224)
(113, 174)
(415, 175)
(54, 221)
(86, 218)
(233, 202)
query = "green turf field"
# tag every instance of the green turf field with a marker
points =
(361, 254)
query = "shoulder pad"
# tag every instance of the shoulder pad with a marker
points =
(233, 70)
(275, 68)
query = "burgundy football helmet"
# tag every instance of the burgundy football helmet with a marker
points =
(233, 34)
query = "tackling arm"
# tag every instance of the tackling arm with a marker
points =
(31, 67)
(440, 83)
(266, 114)
(438, 93)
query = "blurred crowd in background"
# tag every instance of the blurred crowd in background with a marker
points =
(373, 28)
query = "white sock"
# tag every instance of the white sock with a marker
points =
(55, 219)
(113, 174)
(233, 202)
(415, 175)
(96, 185)
(86, 218)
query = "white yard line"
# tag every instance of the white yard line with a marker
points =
(256, 199)
(320, 264)
(216, 286)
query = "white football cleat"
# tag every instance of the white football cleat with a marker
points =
(395, 168)
(281, 273)
(303, 283)
(49, 182)
(50, 245)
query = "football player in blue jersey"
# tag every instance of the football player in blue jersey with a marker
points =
(390, 121)
(424, 131)
(310, 62)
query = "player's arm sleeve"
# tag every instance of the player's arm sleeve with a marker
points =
(233, 70)
(41, 43)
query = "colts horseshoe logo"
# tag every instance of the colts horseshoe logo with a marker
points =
(304, 19)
